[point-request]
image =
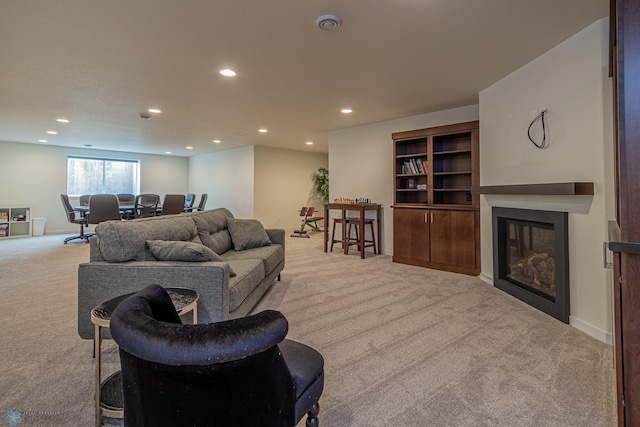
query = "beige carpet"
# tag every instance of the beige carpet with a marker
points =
(403, 346)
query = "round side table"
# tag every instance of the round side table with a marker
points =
(109, 401)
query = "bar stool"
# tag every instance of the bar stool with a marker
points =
(356, 241)
(333, 233)
(342, 240)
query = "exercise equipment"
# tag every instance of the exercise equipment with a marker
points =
(307, 219)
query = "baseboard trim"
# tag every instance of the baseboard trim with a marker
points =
(600, 335)
(487, 279)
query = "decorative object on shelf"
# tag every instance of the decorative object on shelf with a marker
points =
(346, 200)
(321, 183)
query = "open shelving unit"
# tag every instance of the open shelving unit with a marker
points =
(15, 222)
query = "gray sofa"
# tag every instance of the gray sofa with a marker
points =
(121, 262)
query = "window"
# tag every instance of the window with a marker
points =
(87, 175)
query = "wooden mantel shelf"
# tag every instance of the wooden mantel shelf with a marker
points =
(552, 189)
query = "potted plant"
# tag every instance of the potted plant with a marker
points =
(321, 183)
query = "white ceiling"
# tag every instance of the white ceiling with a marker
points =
(99, 63)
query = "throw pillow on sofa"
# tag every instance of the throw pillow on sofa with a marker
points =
(247, 233)
(168, 250)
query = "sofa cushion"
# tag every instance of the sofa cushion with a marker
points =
(167, 250)
(249, 274)
(247, 233)
(212, 229)
(271, 256)
(127, 240)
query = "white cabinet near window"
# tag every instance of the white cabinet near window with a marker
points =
(15, 222)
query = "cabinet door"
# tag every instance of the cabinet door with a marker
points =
(453, 238)
(411, 234)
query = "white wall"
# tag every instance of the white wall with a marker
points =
(35, 175)
(572, 79)
(268, 184)
(283, 185)
(227, 177)
(361, 160)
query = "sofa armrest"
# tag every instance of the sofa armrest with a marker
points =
(276, 235)
(101, 281)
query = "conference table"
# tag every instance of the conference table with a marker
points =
(361, 208)
(85, 209)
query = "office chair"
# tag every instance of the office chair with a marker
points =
(173, 204)
(84, 199)
(128, 200)
(240, 372)
(189, 201)
(146, 205)
(203, 201)
(74, 219)
(103, 207)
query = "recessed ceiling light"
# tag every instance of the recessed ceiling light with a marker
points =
(228, 72)
(62, 120)
(216, 141)
(167, 152)
(309, 142)
(154, 110)
(52, 132)
(263, 130)
(42, 140)
(346, 111)
(189, 148)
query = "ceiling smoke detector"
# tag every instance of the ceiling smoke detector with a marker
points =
(144, 116)
(328, 22)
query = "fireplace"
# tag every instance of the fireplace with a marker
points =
(531, 258)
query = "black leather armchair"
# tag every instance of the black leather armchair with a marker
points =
(235, 373)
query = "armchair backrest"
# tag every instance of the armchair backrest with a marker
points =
(224, 373)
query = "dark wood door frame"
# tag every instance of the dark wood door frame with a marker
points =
(625, 55)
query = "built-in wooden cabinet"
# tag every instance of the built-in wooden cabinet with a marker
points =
(436, 217)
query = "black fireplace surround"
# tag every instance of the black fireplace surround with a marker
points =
(531, 258)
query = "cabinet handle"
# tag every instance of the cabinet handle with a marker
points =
(425, 217)
(431, 217)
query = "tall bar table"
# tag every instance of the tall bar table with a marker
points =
(358, 207)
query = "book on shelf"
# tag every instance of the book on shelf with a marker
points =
(408, 168)
(425, 166)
